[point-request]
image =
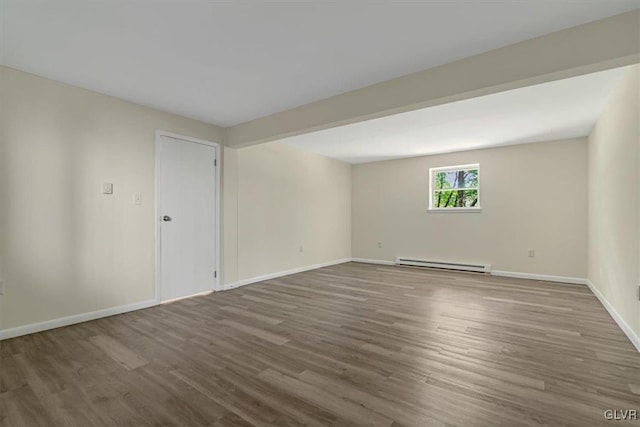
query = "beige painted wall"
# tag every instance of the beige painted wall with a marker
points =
(287, 198)
(524, 208)
(614, 201)
(65, 248)
(230, 216)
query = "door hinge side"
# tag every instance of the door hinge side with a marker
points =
(215, 274)
(215, 162)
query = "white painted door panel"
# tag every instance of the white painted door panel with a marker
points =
(187, 208)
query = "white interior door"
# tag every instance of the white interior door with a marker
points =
(187, 211)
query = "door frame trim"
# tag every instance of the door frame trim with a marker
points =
(160, 133)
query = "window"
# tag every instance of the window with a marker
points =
(455, 188)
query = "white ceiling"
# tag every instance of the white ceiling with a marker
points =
(226, 62)
(561, 109)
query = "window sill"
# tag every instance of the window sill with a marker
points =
(454, 210)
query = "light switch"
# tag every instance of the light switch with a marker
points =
(107, 188)
(137, 198)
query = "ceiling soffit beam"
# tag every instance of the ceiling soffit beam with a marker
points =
(595, 46)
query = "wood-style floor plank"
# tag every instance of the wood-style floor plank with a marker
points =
(343, 345)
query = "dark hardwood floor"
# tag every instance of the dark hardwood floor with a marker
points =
(343, 345)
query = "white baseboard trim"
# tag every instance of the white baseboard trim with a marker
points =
(76, 318)
(256, 279)
(373, 261)
(635, 339)
(543, 277)
(514, 274)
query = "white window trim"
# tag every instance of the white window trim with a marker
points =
(433, 171)
(454, 210)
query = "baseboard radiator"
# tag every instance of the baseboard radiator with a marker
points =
(479, 268)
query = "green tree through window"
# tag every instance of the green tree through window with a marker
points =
(455, 187)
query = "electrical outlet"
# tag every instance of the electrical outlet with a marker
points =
(1, 287)
(107, 188)
(379, 244)
(137, 198)
(532, 253)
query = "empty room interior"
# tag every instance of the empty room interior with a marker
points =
(389, 213)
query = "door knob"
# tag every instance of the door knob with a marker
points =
(166, 218)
